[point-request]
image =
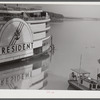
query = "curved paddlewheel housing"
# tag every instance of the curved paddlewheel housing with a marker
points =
(21, 37)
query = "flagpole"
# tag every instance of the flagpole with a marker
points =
(97, 73)
(80, 61)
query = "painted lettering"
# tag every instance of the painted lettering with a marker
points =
(17, 48)
(3, 50)
(8, 50)
(18, 77)
(23, 76)
(12, 48)
(15, 78)
(23, 46)
(28, 46)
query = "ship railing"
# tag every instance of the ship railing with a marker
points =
(37, 18)
(7, 18)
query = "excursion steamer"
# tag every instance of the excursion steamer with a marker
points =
(23, 33)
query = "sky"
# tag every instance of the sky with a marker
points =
(74, 10)
(70, 10)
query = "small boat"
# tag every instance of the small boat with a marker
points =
(81, 80)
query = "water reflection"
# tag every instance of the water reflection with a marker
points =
(73, 38)
(27, 74)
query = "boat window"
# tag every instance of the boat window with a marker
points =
(94, 85)
(38, 50)
(31, 14)
(98, 86)
(43, 14)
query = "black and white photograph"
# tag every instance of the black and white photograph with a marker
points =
(49, 47)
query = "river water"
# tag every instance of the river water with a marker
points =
(72, 39)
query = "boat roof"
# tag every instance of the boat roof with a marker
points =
(27, 11)
(18, 10)
(80, 71)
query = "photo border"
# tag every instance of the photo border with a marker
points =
(61, 94)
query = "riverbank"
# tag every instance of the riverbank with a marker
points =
(80, 19)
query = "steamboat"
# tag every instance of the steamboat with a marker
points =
(23, 33)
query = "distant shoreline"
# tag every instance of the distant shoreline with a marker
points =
(81, 18)
(55, 17)
(74, 19)
(57, 20)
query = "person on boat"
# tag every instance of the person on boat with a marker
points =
(72, 76)
(81, 79)
(91, 85)
(98, 77)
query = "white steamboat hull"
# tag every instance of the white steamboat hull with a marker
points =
(19, 39)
